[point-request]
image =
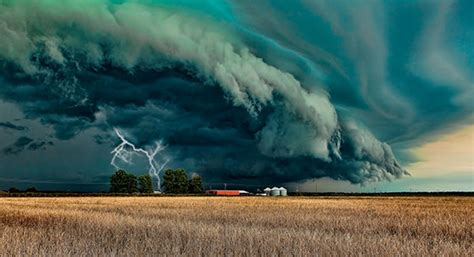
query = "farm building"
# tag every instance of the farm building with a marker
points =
(227, 192)
(275, 191)
(267, 191)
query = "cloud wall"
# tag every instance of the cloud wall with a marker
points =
(227, 109)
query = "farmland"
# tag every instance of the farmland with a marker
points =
(236, 226)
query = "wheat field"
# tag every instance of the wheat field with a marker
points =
(237, 226)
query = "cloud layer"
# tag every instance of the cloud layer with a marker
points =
(227, 109)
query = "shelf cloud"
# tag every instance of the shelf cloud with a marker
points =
(206, 85)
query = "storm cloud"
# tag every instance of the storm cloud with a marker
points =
(226, 109)
(18, 145)
(9, 125)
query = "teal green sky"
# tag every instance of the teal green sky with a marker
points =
(360, 96)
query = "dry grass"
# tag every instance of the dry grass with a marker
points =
(241, 226)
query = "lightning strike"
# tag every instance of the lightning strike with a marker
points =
(125, 151)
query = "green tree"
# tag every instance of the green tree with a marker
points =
(14, 190)
(145, 184)
(132, 185)
(31, 190)
(123, 182)
(195, 185)
(168, 181)
(176, 181)
(119, 182)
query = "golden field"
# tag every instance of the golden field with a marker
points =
(237, 226)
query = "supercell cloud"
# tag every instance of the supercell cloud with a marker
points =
(236, 95)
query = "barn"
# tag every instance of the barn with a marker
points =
(227, 192)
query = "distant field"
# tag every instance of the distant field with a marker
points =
(240, 226)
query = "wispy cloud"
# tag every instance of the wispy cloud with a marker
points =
(18, 146)
(9, 125)
(437, 59)
(25, 143)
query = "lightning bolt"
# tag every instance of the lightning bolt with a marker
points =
(125, 151)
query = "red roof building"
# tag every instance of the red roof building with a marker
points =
(227, 192)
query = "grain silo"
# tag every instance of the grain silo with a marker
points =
(283, 191)
(267, 191)
(275, 191)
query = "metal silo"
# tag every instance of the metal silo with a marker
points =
(267, 191)
(283, 191)
(275, 191)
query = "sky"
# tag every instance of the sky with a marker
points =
(313, 95)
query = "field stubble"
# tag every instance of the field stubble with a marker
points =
(239, 226)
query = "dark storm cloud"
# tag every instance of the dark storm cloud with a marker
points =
(39, 145)
(18, 146)
(402, 70)
(9, 125)
(217, 139)
(101, 139)
(26, 143)
(223, 111)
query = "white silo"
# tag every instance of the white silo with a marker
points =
(283, 191)
(275, 191)
(267, 191)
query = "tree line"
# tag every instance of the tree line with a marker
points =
(174, 182)
(28, 190)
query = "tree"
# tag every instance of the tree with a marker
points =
(13, 190)
(123, 182)
(118, 182)
(168, 181)
(195, 185)
(175, 181)
(145, 184)
(31, 190)
(132, 183)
